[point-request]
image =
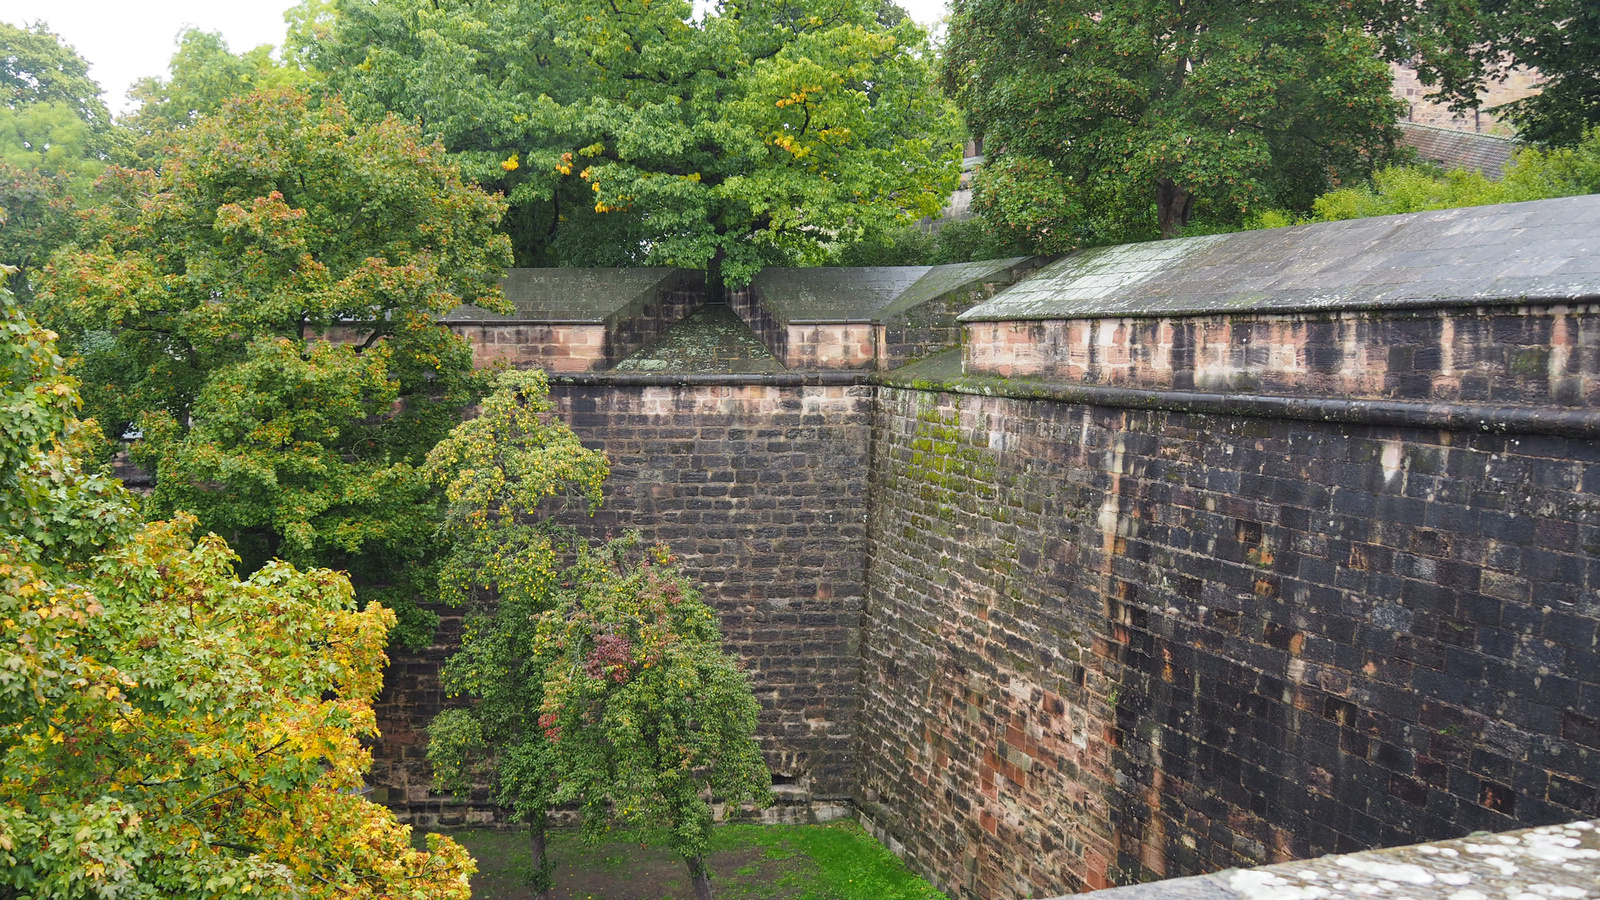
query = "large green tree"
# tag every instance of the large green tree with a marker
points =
(36, 67)
(503, 473)
(634, 132)
(263, 309)
(1136, 115)
(55, 135)
(1559, 38)
(648, 718)
(202, 76)
(167, 729)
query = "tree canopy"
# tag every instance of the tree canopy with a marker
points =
(166, 729)
(503, 473)
(1136, 115)
(1559, 38)
(202, 76)
(262, 307)
(632, 133)
(38, 68)
(55, 135)
(647, 716)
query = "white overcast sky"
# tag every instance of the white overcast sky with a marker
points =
(125, 40)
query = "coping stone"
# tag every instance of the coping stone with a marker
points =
(569, 296)
(941, 280)
(1539, 252)
(1554, 861)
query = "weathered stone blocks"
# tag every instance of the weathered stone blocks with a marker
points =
(1110, 645)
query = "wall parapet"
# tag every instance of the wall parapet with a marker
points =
(1489, 418)
(1552, 861)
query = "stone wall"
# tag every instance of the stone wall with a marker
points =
(1212, 552)
(833, 345)
(1107, 645)
(517, 345)
(1538, 353)
(600, 340)
(1408, 87)
(747, 305)
(411, 697)
(759, 485)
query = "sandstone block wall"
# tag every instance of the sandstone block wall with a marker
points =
(565, 347)
(1108, 645)
(554, 348)
(412, 695)
(839, 345)
(761, 490)
(1542, 354)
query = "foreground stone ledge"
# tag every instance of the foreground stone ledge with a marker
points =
(1556, 862)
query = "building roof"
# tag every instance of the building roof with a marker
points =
(1543, 251)
(941, 280)
(1486, 153)
(570, 296)
(868, 293)
(834, 294)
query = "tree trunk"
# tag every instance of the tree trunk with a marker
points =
(542, 867)
(715, 284)
(1174, 204)
(700, 876)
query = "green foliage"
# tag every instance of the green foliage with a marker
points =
(50, 509)
(204, 75)
(1534, 174)
(1464, 44)
(630, 133)
(37, 215)
(50, 137)
(645, 712)
(502, 472)
(1408, 189)
(1562, 41)
(37, 67)
(54, 136)
(1133, 116)
(1032, 204)
(1537, 174)
(166, 729)
(964, 240)
(602, 683)
(263, 307)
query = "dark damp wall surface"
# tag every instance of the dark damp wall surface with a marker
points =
(762, 492)
(1104, 646)
(1045, 646)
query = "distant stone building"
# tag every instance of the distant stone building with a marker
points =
(1521, 82)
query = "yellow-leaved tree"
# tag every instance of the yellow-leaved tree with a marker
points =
(166, 729)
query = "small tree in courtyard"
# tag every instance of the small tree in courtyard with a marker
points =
(603, 683)
(501, 472)
(647, 717)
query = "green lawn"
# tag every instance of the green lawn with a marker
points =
(838, 861)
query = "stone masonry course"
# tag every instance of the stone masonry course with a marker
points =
(1179, 557)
